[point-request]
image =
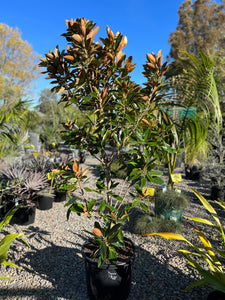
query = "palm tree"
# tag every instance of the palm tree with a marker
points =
(11, 122)
(194, 87)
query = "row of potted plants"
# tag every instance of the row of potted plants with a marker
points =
(27, 185)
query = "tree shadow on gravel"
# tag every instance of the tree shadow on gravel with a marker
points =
(61, 270)
(154, 277)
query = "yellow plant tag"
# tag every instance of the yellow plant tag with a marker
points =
(176, 177)
(149, 191)
(50, 175)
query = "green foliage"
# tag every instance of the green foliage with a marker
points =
(119, 170)
(7, 240)
(145, 224)
(170, 199)
(107, 240)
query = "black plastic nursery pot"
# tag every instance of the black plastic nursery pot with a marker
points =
(7, 204)
(2, 211)
(193, 173)
(109, 282)
(25, 215)
(217, 192)
(45, 201)
(60, 196)
(216, 295)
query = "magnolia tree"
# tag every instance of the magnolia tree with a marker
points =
(122, 125)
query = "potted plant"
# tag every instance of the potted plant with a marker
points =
(170, 204)
(218, 186)
(216, 162)
(193, 172)
(194, 98)
(45, 199)
(21, 187)
(58, 183)
(119, 114)
(210, 254)
(60, 195)
(27, 194)
(146, 223)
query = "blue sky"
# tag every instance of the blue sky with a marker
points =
(146, 23)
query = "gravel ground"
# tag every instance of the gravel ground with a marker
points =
(53, 268)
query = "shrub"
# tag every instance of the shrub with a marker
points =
(147, 224)
(171, 199)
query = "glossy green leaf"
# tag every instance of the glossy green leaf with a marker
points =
(90, 205)
(119, 198)
(77, 208)
(143, 182)
(114, 229)
(102, 206)
(143, 206)
(157, 180)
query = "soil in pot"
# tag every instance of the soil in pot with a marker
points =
(25, 215)
(111, 282)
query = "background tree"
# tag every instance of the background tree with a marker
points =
(18, 64)
(52, 116)
(201, 25)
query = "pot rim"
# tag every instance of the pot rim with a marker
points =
(106, 266)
